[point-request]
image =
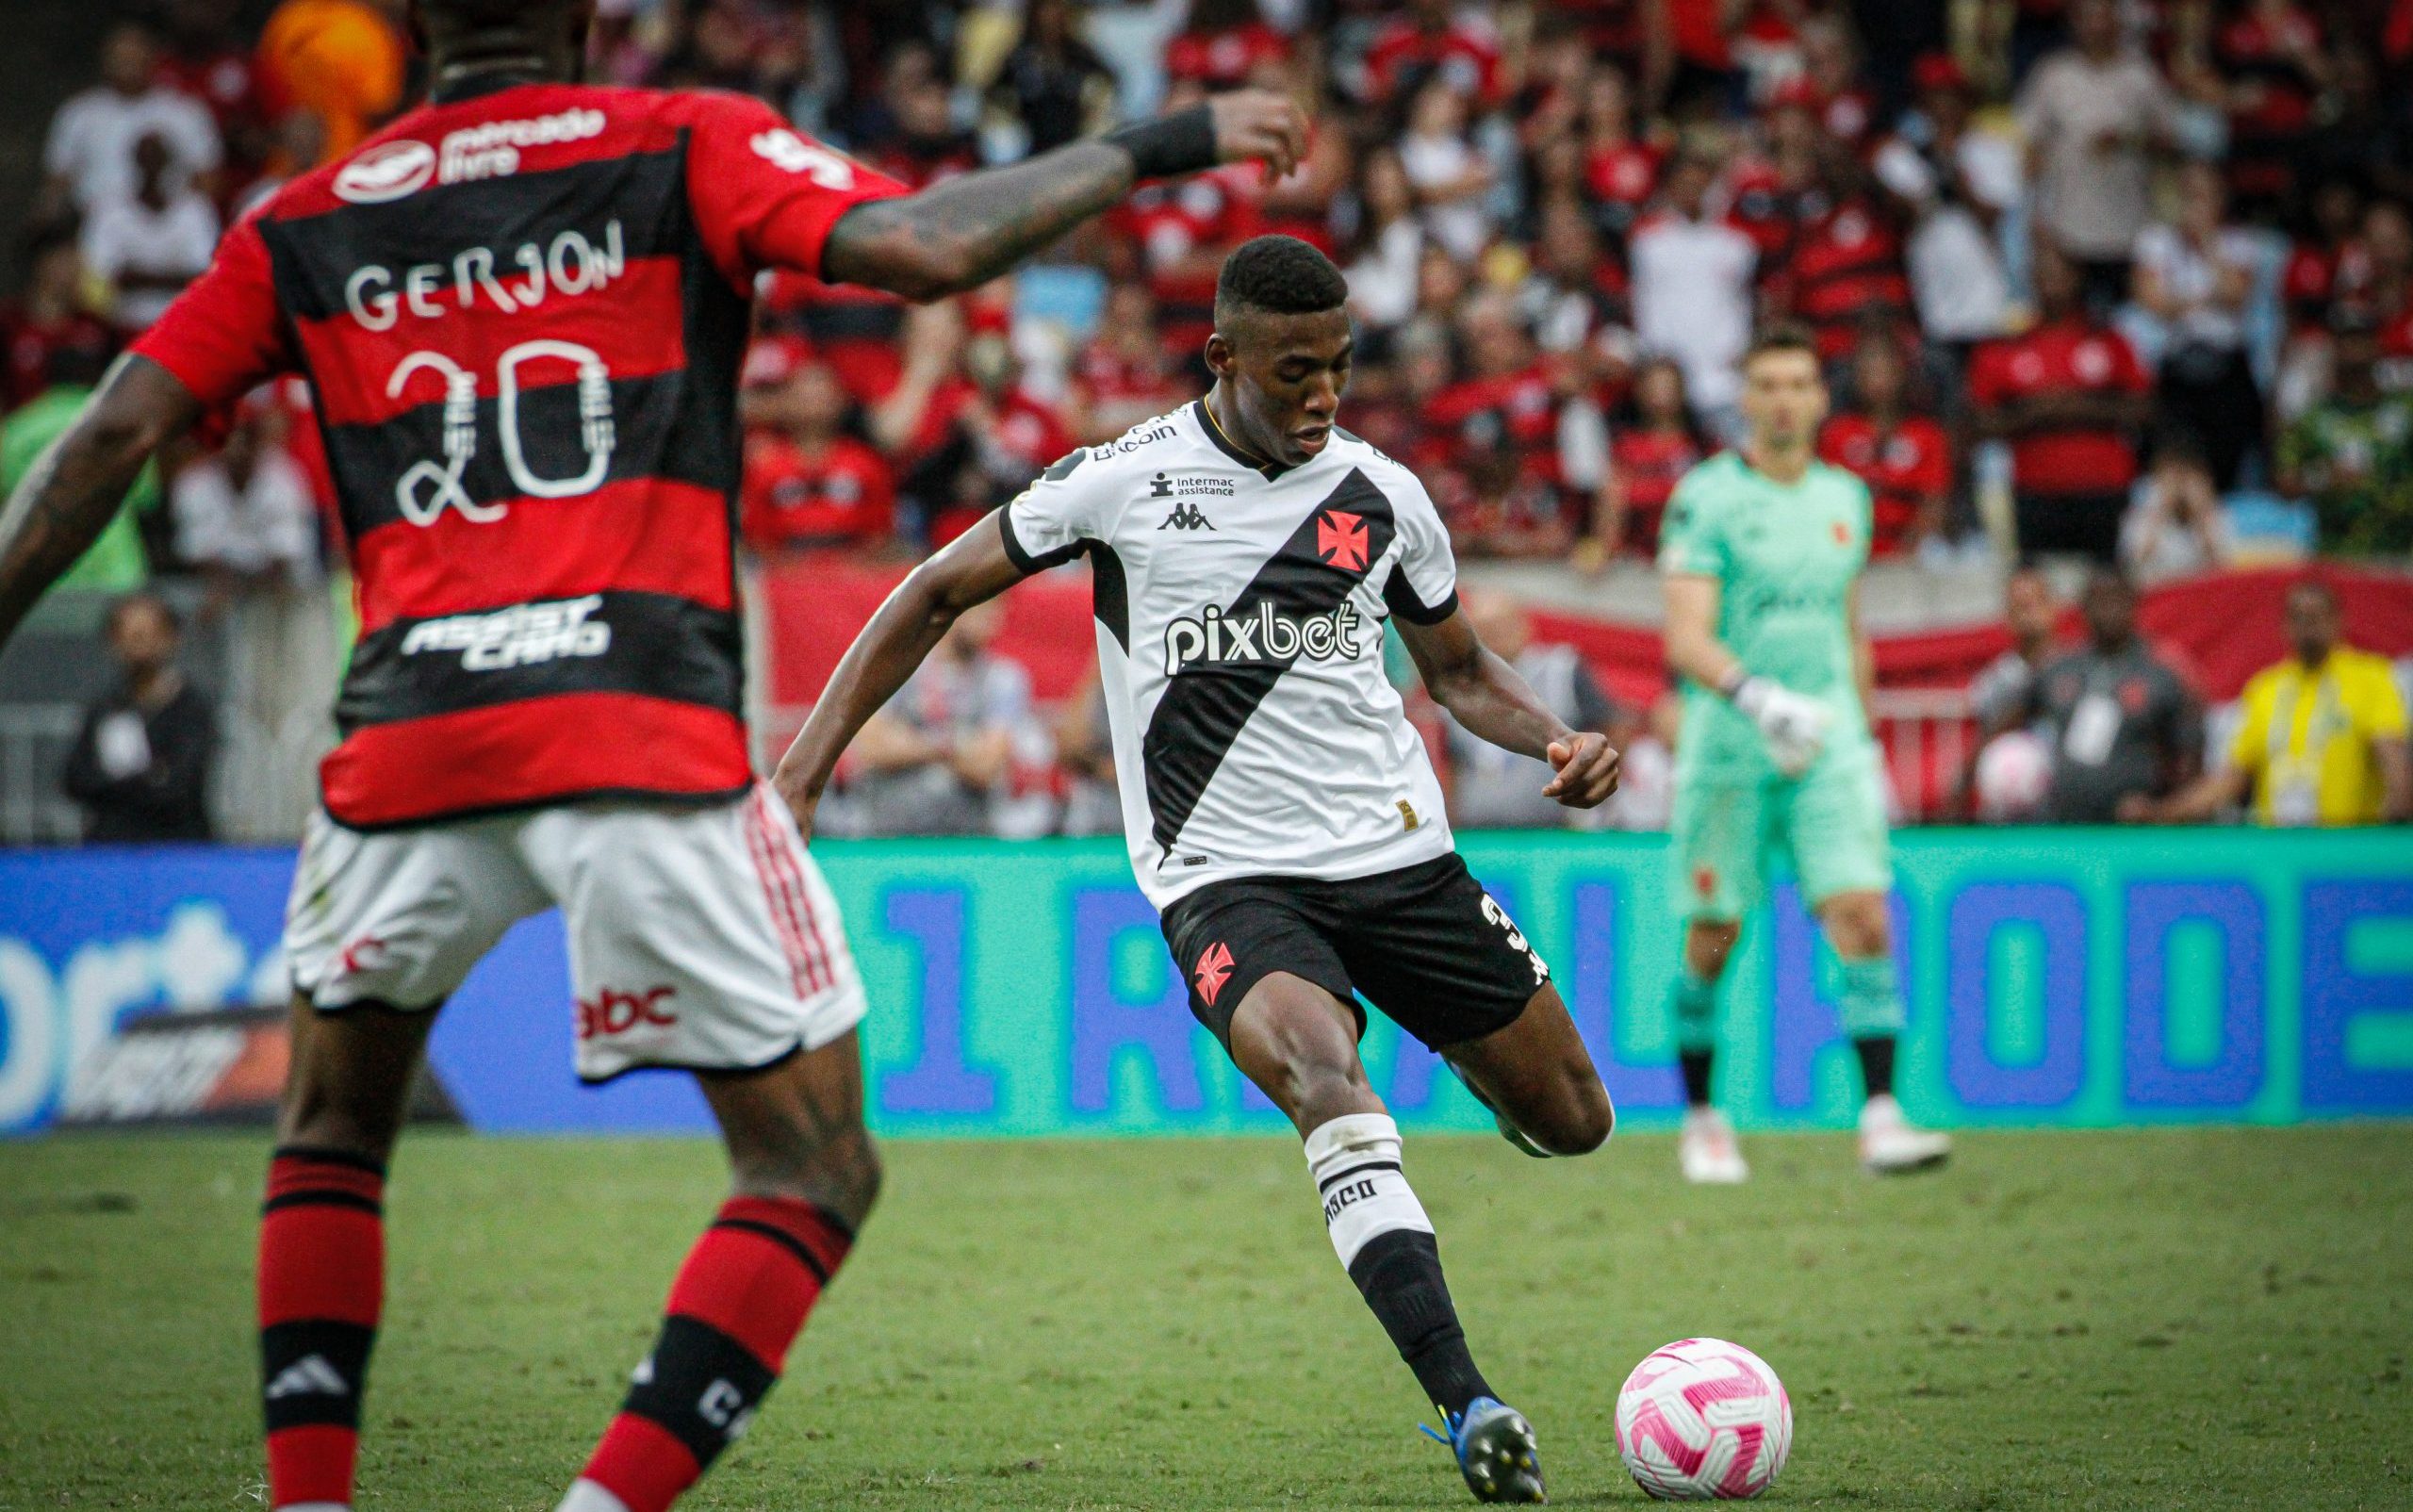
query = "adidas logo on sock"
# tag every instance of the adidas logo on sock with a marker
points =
(311, 1375)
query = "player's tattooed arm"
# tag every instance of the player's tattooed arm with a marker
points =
(972, 568)
(1484, 694)
(66, 499)
(960, 234)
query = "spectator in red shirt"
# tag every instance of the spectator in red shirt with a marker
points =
(1507, 400)
(1832, 66)
(49, 318)
(1184, 230)
(2069, 397)
(1770, 193)
(2271, 58)
(1221, 45)
(808, 483)
(1123, 376)
(2317, 270)
(202, 59)
(1845, 274)
(1433, 40)
(1647, 455)
(1621, 168)
(1905, 459)
(920, 144)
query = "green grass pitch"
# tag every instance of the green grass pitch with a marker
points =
(2171, 1320)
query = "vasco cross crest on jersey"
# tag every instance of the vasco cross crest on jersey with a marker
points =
(1340, 541)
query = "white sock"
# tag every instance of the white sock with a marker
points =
(1354, 1162)
(586, 1496)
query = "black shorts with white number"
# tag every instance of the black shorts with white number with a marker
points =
(1425, 943)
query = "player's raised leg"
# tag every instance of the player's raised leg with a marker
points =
(322, 1241)
(1299, 1043)
(805, 1176)
(1858, 926)
(1537, 1079)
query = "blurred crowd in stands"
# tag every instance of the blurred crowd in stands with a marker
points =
(2120, 281)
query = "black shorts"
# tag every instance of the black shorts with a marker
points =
(1425, 945)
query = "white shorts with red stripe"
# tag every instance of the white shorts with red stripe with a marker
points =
(700, 938)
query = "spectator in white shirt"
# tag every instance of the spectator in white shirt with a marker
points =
(2194, 277)
(1389, 240)
(1959, 185)
(2092, 115)
(90, 159)
(2176, 527)
(1449, 177)
(149, 245)
(246, 518)
(1692, 291)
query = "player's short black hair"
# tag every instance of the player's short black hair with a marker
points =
(1281, 275)
(1781, 337)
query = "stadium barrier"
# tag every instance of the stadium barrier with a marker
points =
(2056, 977)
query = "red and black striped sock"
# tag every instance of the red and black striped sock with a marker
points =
(322, 1284)
(738, 1303)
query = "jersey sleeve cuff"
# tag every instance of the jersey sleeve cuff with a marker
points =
(1404, 603)
(1025, 560)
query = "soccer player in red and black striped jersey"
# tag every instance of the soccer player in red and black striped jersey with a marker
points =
(523, 308)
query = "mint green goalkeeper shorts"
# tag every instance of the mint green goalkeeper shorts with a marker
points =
(1727, 833)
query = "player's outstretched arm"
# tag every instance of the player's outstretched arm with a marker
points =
(67, 496)
(972, 568)
(1795, 725)
(960, 234)
(1487, 695)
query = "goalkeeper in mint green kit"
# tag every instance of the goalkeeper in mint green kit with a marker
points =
(1761, 552)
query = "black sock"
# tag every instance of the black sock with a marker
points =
(1695, 1065)
(1398, 1274)
(1875, 1064)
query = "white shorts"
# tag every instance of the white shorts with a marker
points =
(699, 938)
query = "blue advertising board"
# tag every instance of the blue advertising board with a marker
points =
(2079, 977)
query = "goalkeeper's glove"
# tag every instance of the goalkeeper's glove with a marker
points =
(1794, 724)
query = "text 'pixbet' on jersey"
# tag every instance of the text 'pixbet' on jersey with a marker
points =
(1267, 636)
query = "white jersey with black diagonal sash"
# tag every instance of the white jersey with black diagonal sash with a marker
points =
(1239, 631)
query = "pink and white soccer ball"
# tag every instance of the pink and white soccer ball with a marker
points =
(1703, 1420)
(2015, 772)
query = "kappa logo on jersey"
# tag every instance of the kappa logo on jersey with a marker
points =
(1214, 969)
(520, 635)
(1268, 636)
(391, 171)
(1340, 541)
(1187, 515)
(612, 1011)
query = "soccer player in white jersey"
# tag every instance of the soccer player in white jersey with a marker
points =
(1282, 814)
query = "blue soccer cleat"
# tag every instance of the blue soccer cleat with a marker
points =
(1496, 1452)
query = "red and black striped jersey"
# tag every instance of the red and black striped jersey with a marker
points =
(524, 313)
